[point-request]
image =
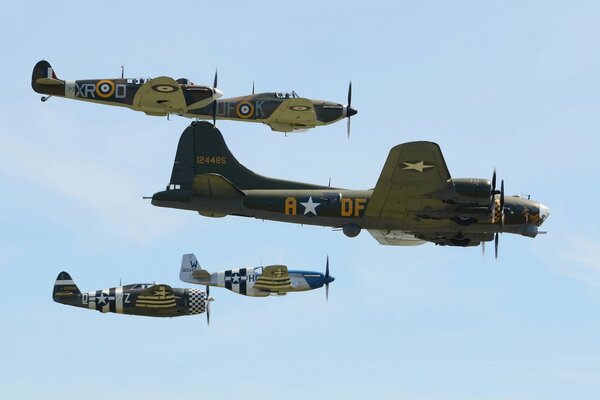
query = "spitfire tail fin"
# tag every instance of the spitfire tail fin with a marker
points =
(202, 151)
(191, 272)
(43, 75)
(64, 287)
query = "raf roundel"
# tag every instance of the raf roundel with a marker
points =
(244, 109)
(164, 88)
(105, 88)
(299, 108)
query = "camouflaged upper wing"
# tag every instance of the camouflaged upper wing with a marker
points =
(160, 96)
(297, 112)
(275, 278)
(411, 172)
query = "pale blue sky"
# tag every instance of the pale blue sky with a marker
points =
(511, 85)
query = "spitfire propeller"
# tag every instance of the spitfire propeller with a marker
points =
(349, 110)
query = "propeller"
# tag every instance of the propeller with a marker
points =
(327, 279)
(349, 110)
(496, 238)
(252, 87)
(493, 193)
(214, 104)
(208, 300)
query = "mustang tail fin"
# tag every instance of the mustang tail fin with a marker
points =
(64, 287)
(202, 150)
(191, 272)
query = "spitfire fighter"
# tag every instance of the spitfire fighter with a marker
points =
(157, 96)
(257, 282)
(283, 112)
(146, 299)
(414, 201)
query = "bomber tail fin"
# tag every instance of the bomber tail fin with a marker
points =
(64, 287)
(202, 150)
(191, 271)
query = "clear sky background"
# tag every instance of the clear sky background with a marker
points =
(511, 85)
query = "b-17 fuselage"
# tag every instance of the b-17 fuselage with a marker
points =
(414, 201)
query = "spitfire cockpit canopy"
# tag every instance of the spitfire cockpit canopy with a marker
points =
(138, 81)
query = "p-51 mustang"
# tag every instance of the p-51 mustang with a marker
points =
(283, 112)
(259, 281)
(146, 299)
(157, 96)
(415, 199)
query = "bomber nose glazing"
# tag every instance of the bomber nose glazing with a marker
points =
(544, 213)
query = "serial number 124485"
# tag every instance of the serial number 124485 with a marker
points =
(211, 160)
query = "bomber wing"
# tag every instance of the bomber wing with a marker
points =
(275, 279)
(160, 96)
(411, 174)
(292, 114)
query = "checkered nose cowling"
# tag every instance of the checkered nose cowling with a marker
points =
(496, 212)
(196, 301)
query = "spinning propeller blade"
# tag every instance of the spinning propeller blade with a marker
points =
(496, 237)
(349, 110)
(327, 279)
(208, 300)
(214, 104)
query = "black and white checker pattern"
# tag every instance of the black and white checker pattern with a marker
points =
(197, 301)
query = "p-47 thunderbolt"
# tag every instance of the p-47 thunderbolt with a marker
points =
(283, 112)
(259, 281)
(146, 299)
(156, 96)
(414, 201)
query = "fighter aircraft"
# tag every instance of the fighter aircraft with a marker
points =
(154, 96)
(415, 199)
(283, 112)
(257, 282)
(146, 299)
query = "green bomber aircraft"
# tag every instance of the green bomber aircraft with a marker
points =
(154, 96)
(283, 112)
(414, 201)
(145, 299)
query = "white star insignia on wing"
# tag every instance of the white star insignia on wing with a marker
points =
(420, 166)
(310, 206)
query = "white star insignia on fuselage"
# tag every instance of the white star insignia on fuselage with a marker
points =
(310, 206)
(102, 299)
(419, 167)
